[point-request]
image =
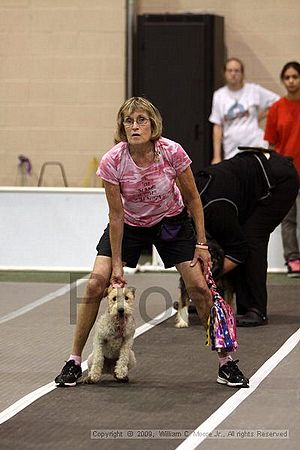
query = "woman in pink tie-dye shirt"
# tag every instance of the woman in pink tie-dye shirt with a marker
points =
(141, 175)
(145, 203)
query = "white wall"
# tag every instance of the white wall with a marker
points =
(56, 228)
(275, 253)
(59, 228)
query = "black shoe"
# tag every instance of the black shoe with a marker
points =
(252, 318)
(69, 374)
(231, 375)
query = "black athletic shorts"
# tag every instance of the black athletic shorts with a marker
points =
(178, 249)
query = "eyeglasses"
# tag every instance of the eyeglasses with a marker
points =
(140, 120)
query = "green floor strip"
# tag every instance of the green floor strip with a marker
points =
(66, 277)
(40, 277)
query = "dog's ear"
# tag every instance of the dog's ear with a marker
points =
(131, 289)
(107, 291)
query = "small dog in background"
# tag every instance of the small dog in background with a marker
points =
(113, 338)
(185, 306)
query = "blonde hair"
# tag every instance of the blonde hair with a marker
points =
(138, 104)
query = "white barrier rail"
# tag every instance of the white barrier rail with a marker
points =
(59, 228)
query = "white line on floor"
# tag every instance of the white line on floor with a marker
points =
(201, 433)
(28, 399)
(47, 298)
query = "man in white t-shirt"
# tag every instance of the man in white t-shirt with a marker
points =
(237, 109)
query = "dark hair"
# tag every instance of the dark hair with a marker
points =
(294, 64)
(135, 104)
(238, 61)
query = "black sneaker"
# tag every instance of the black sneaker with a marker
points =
(69, 374)
(231, 375)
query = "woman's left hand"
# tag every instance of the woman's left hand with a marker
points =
(203, 256)
(117, 276)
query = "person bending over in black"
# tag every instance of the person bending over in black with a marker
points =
(244, 199)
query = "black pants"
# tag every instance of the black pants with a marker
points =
(251, 277)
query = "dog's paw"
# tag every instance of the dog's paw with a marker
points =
(94, 377)
(121, 380)
(121, 372)
(182, 318)
(180, 322)
(85, 380)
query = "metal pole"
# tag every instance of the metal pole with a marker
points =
(131, 19)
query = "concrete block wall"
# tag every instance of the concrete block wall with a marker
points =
(62, 71)
(62, 80)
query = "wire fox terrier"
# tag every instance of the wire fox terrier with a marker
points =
(113, 338)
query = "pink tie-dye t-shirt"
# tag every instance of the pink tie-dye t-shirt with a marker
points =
(149, 193)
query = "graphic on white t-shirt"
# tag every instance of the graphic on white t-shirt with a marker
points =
(236, 111)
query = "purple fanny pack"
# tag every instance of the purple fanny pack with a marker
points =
(168, 232)
(171, 226)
